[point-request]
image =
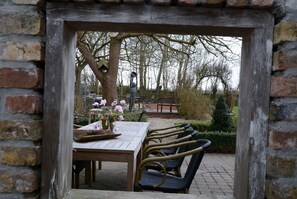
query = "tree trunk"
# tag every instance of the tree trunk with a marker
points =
(109, 84)
(179, 76)
(162, 66)
(141, 67)
(108, 79)
(185, 69)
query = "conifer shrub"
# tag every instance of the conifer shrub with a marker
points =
(221, 117)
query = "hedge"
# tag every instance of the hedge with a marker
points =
(221, 142)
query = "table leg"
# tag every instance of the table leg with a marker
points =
(93, 171)
(88, 175)
(139, 157)
(131, 172)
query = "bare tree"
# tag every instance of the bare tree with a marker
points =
(108, 76)
(95, 47)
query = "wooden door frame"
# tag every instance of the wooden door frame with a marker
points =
(64, 19)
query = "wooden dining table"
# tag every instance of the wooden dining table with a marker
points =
(124, 148)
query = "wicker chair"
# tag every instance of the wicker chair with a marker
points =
(172, 166)
(162, 181)
(159, 136)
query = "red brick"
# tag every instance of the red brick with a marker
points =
(21, 78)
(283, 87)
(31, 104)
(283, 60)
(282, 140)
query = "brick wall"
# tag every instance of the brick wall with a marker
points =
(282, 147)
(21, 83)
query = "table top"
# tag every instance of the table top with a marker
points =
(130, 140)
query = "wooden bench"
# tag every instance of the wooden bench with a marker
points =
(166, 102)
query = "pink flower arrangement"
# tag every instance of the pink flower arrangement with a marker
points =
(115, 113)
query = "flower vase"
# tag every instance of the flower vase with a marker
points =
(104, 124)
(111, 121)
(111, 125)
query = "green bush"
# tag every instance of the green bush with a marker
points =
(200, 126)
(134, 118)
(192, 104)
(221, 142)
(221, 116)
(82, 121)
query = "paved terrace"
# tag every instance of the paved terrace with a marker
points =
(214, 179)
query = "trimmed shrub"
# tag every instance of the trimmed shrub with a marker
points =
(201, 126)
(221, 142)
(221, 116)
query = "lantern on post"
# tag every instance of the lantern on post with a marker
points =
(133, 87)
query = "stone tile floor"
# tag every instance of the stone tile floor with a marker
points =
(214, 177)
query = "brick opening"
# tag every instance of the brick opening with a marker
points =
(64, 21)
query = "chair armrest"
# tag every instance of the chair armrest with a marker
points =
(169, 143)
(160, 137)
(158, 133)
(150, 150)
(174, 156)
(181, 126)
